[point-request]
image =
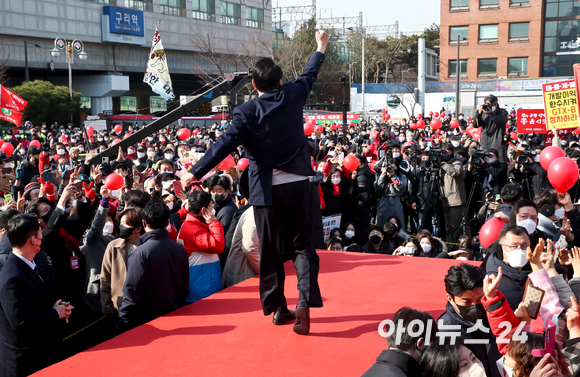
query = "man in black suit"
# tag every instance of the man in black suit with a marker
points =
(271, 130)
(29, 310)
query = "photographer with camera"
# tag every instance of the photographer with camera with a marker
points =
(390, 187)
(452, 187)
(495, 170)
(492, 120)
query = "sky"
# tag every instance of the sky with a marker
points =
(413, 15)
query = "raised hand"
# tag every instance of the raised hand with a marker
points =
(534, 257)
(321, 40)
(490, 284)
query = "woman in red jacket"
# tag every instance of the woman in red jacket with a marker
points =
(202, 236)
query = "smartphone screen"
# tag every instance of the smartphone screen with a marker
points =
(8, 197)
(177, 188)
(106, 160)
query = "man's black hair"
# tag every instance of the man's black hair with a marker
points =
(390, 229)
(523, 203)
(32, 207)
(464, 277)
(449, 147)
(516, 230)
(491, 99)
(511, 193)
(136, 198)
(546, 197)
(20, 228)
(376, 227)
(197, 200)
(219, 180)
(266, 75)
(156, 214)
(5, 216)
(407, 315)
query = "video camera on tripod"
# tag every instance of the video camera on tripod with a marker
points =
(522, 156)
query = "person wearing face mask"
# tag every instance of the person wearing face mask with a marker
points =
(219, 187)
(114, 267)
(96, 240)
(29, 336)
(511, 255)
(404, 354)
(334, 188)
(540, 179)
(141, 158)
(169, 154)
(375, 244)
(496, 172)
(202, 236)
(462, 121)
(464, 287)
(453, 195)
(492, 121)
(27, 170)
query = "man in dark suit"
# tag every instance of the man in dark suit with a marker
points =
(157, 273)
(29, 310)
(271, 130)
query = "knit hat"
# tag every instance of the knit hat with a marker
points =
(29, 188)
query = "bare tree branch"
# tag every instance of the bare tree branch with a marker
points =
(4, 58)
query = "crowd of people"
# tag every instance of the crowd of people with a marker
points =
(77, 254)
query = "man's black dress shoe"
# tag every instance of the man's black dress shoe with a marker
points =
(281, 318)
(302, 324)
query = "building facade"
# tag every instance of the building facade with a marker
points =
(117, 36)
(497, 39)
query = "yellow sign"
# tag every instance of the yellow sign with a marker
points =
(560, 104)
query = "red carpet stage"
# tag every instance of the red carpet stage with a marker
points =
(227, 334)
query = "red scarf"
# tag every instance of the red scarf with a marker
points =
(336, 189)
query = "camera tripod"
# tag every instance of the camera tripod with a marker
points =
(477, 183)
(431, 202)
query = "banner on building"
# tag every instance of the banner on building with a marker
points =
(560, 104)
(531, 121)
(157, 74)
(11, 116)
(329, 223)
(11, 101)
(329, 118)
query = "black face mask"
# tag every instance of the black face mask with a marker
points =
(375, 240)
(471, 313)
(446, 157)
(47, 216)
(218, 198)
(125, 232)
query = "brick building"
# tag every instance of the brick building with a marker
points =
(509, 38)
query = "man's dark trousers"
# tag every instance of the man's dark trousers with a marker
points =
(287, 223)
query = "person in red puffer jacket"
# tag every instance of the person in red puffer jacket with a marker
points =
(202, 236)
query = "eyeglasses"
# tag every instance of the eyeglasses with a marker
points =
(514, 247)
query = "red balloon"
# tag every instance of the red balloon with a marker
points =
(549, 154)
(227, 163)
(469, 119)
(114, 181)
(308, 129)
(436, 115)
(413, 126)
(126, 136)
(333, 127)
(351, 124)
(563, 173)
(577, 131)
(36, 143)
(489, 232)
(196, 131)
(319, 128)
(7, 148)
(243, 163)
(350, 162)
(431, 113)
(421, 123)
(388, 116)
(116, 141)
(1, 142)
(90, 130)
(514, 135)
(184, 133)
(435, 124)
(118, 128)
(419, 116)
(454, 123)
(442, 115)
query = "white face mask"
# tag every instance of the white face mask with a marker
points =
(81, 150)
(529, 224)
(140, 154)
(422, 144)
(9, 137)
(563, 142)
(170, 205)
(213, 211)
(460, 118)
(559, 213)
(108, 228)
(517, 258)
(151, 154)
(100, 139)
(493, 108)
(349, 234)
(426, 247)
(169, 156)
(161, 139)
(166, 184)
(396, 154)
(130, 151)
(60, 152)
(455, 143)
(409, 139)
(476, 370)
(401, 139)
(537, 158)
(490, 160)
(335, 181)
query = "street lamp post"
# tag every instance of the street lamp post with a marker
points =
(26, 76)
(458, 79)
(362, 34)
(78, 46)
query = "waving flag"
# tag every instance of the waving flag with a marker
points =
(157, 73)
(9, 100)
(11, 116)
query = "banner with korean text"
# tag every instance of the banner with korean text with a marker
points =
(531, 121)
(560, 104)
(329, 223)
